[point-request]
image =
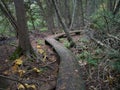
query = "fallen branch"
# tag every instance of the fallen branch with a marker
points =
(64, 35)
(91, 36)
(99, 42)
(113, 37)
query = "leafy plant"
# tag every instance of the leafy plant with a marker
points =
(5, 27)
(98, 51)
(92, 61)
(83, 55)
(86, 56)
(66, 44)
(16, 54)
(84, 40)
(40, 42)
(101, 18)
(116, 66)
(43, 29)
(116, 56)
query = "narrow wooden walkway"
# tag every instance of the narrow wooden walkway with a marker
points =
(69, 75)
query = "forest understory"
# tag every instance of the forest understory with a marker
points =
(59, 44)
(95, 64)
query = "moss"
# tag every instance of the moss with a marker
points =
(16, 54)
(19, 52)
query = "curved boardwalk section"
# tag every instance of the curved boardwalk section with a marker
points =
(69, 75)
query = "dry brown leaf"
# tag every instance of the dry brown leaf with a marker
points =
(21, 72)
(36, 70)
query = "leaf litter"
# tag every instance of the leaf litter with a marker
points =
(35, 76)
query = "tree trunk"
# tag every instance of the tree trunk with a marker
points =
(73, 14)
(65, 28)
(116, 9)
(31, 15)
(67, 15)
(49, 16)
(110, 5)
(4, 8)
(79, 17)
(91, 7)
(24, 42)
(50, 24)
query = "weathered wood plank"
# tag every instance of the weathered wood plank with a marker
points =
(69, 76)
(56, 36)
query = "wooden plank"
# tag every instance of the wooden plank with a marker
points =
(56, 36)
(69, 76)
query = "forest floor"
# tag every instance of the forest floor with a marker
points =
(36, 74)
(43, 75)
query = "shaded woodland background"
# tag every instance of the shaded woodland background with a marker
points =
(99, 19)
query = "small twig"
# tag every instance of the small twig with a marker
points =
(113, 37)
(48, 67)
(48, 64)
(11, 44)
(99, 42)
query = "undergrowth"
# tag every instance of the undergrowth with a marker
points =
(101, 66)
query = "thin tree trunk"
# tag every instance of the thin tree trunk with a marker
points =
(106, 20)
(79, 16)
(73, 14)
(116, 9)
(8, 14)
(65, 28)
(82, 13)
(31, 16)
(48, 17)
(50, 23)
(91, 6)
(110, 5)
(67, 13)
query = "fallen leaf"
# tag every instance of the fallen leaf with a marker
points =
(26, 85)
(110, 79)
(38, 46)
(21, 72)
(15, 68)
(31, 87)
(36, 70)
(18, 61)
(41, 51)
(21, 87)
(6, 72)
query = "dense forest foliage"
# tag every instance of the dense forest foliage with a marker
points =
(97, 49)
